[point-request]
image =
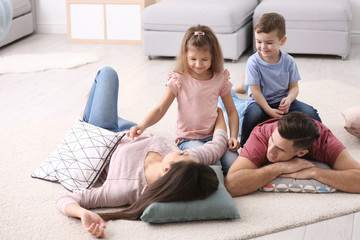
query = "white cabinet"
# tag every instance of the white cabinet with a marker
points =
(123, 21)
(87, 21)
(117, 21)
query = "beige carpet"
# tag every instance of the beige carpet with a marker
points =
(24, 63)
(28, 208)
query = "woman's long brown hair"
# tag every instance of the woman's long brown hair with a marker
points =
(185, 181)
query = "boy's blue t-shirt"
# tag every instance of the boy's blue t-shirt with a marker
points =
(274, 79)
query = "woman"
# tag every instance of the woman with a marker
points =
(141, 171)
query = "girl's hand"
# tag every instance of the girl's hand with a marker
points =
(284, 105)
(234, 144)
(135, 131)
(94, 224)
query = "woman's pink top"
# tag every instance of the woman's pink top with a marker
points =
(197, 103)
(125, 180)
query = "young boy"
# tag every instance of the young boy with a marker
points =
(272, 76)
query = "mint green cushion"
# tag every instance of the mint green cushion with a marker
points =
(218, 205)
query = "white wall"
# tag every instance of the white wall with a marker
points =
(51, 17)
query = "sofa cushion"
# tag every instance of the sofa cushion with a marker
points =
(352, 120)
(226, 16)
(20, 7)
(332, 15)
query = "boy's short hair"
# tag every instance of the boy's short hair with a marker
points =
(270, 22)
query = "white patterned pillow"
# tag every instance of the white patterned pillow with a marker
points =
(80, 157)
(280, 184)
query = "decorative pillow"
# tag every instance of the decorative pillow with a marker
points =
(218, 205)
(298, 185)
(352, 120)
(80, 157)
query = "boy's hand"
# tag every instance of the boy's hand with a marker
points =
(234, 144)
(275, 113)
(135, 131)
(284, 105)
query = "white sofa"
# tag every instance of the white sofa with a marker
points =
(23, 22)
(313, 26)
(165, 23)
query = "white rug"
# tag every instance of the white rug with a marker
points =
(24, 63)
(28, 209)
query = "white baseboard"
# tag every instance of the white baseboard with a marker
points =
(51, 28)
(355, 37)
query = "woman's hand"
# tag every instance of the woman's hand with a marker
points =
(135, 131)
(93, 223)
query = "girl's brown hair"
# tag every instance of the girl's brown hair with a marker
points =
(206, 40)
(185, 181)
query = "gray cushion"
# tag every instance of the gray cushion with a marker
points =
(219, 205)
(226, 16)
(333, 15)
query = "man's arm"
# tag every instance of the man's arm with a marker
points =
(344, 176)
(244, 177)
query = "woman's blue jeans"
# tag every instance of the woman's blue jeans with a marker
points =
(101, 107)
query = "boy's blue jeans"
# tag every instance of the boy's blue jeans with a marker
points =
(254, 115)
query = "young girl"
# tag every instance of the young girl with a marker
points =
(197, 82)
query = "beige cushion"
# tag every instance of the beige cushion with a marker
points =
(352, 120)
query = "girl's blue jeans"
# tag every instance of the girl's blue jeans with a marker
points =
(225, 161)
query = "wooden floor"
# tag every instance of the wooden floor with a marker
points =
(28, 97)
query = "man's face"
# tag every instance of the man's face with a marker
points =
(279, 148)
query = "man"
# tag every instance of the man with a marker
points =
(286, 143)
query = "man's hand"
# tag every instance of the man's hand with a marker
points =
(294, 165)
(307, 173)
